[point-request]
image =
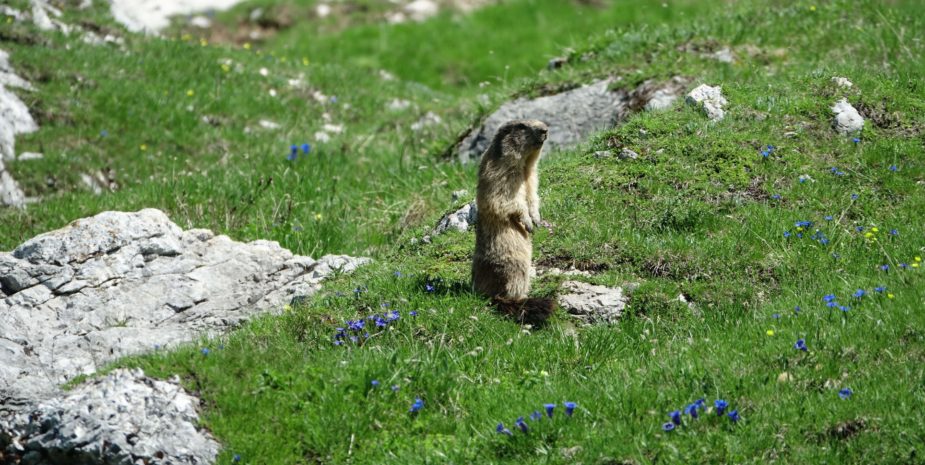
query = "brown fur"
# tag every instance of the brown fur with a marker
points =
(509, 210)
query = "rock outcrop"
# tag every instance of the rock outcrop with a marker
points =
(572, 115)
(14, 119)
(592, 304)
(708, 99)
(119, 284)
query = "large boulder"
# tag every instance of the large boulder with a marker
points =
(119, 284)
(572, 115)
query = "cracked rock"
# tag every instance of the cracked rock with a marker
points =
(460, 220)
(122, 418)
(591, 303)
(709, 99)
(847, 119)
(119, 284)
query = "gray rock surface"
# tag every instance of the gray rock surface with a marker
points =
(709, 99)
(14, 120)
(591, 303)
(847, 119)
(122, 418)
(842, 82)
(572, 115)
(118, 284)
(661, 100)
(460, 220)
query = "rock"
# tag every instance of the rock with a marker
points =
(460, 220)
(15, 120)
(268, 124)
(323, 10)
(723, 55)
(420, 10)
(709, 99)
(592, 303)
(200, 21)
(847, 119)
(842, 82)
(556, 63)
(602, 154)
(118, 284)
(25, 156)
(626, 153)
(122, 418)
(572, 116)
(662, 99)
(150, 16)
(399, 104)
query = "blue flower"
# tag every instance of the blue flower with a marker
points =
(356, 325)
(105, 133)
(893, 168)
(338, 342)
(859, 228)
(828, 298)
(844, 308)
(691, 410)
(700, 403)
(395, 388)
(856, 140)
(236, 458)
(786, 233)
(429, 287)
(803, 224)
(502, 430)
(520, 423)
(374, 383)
(828, 217)
(306, 148)
(854, 196)
(765, 153)
(675, 417)
(380, 322)
(549, 408)
(885, 267)
(903, 266)
(831, 304)
(397, 274)
(205, 351)
(776, 316)
(776, 196)
(668, 427)
(845, 393)
(796, 309)
(569, 408)
(734, 416)
(393, 315)
(536, 416)
(416, 406)
(720, 405)
(894, 232)
(771, 148)
(800, 345)
(880, 288)
(860, 293)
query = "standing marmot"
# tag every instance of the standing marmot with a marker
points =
(509, 209)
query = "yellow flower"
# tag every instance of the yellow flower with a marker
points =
(226, 68)
(189, 92)
(799, 228)
(889, 296)
(305, 61)
(143, 147)
(769, 332)
(918, 259)
(874, 229)
(318, 216)
(247, 45)
(812, 8)
(287, 308)
(185, 37)
(869, 235)
(9, 19)
(203, 42)
(915, 265)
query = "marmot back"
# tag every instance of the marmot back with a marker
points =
(508, 206)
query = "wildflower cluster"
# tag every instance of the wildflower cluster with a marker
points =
(696, 409)
(294, 151)
(803, 227)
(521, 424)
(357, 331)
(765, 153)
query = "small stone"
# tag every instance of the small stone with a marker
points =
(603, 154)
(419, 10)
(322, 10)
(460, 220)
(842, 82)
(399, 104)
(200, 21)
(556, 63)
(847, 119)
(710, 100)
(724, 55)
(591, 303)
(627, 154)
(30, 156)
(267, 124)
(784, 377)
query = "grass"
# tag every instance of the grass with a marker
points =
(697, 214)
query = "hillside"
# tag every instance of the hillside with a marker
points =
(765, 259)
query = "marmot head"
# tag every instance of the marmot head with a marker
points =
(519, 138)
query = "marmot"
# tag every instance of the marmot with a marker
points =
(509, 209)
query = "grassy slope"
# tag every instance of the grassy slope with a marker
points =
(693, 215)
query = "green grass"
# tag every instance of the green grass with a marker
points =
(696, 215)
